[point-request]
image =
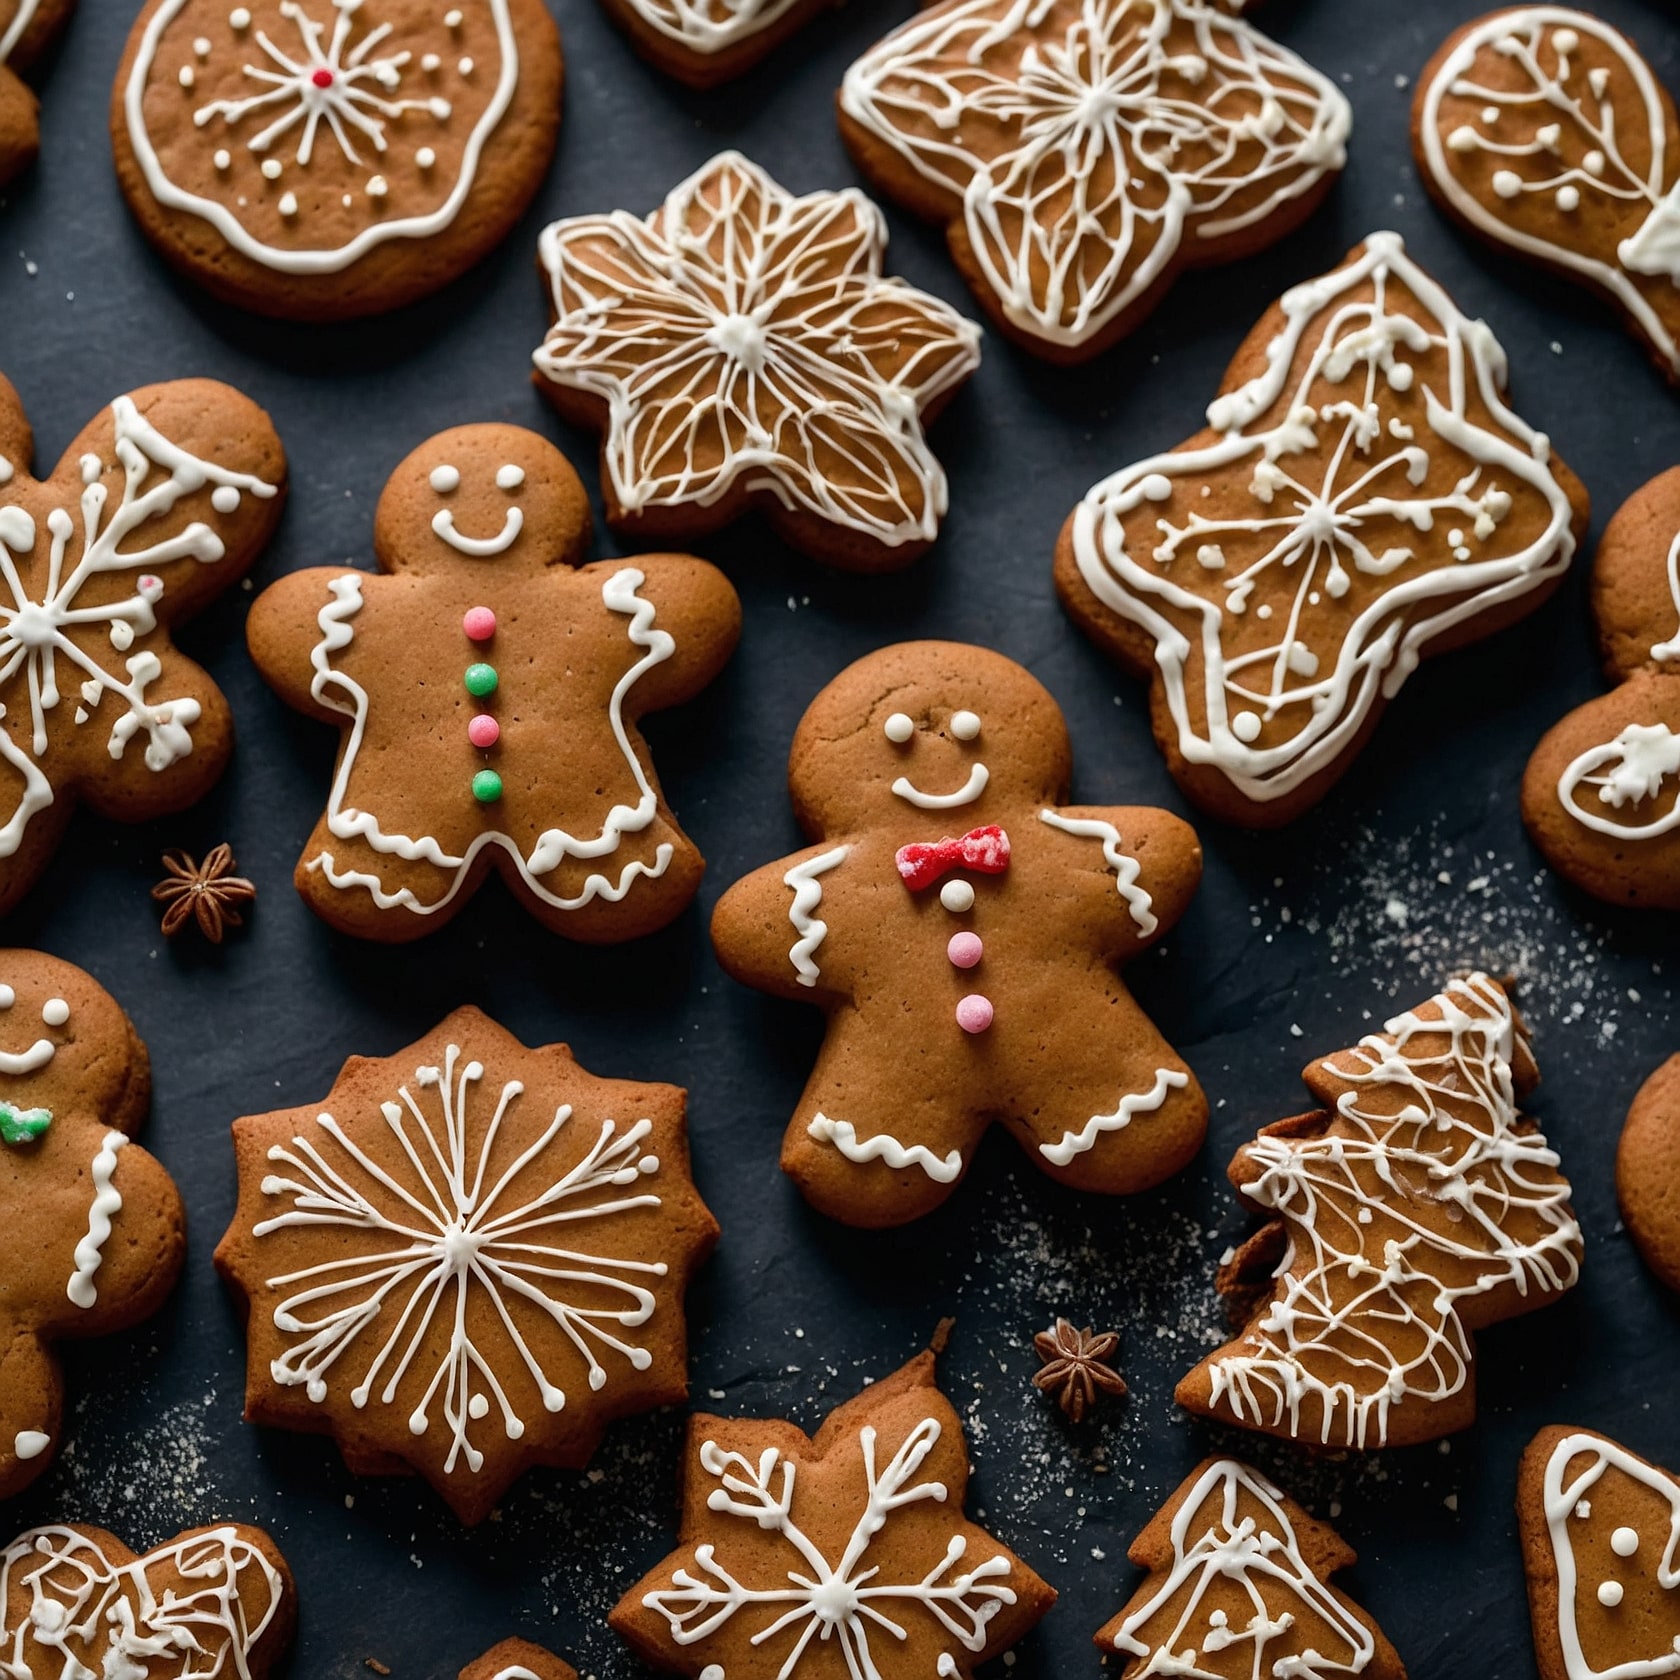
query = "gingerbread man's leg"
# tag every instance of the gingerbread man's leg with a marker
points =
(31, 1407)
(356, 887)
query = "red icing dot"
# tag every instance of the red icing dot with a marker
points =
(974, 1013)
(479, 624)
(484, 731)
(322, 78)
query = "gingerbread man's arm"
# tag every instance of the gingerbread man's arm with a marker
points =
(1139, 868)
(694, 604)
(771, 931)
(299, 627)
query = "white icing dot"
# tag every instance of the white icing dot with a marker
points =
(1624, 1542)
(445, 478)
(1565, 40)
(377, 188)
(430, 63)
(509, 477)
(1490, 114)
(1246, 725)
(30, 1443)
(1463, 139)
(347, 201)
(1593, 163)
(1583, 1509)
(1507, 183)
(186, 77)
(965, 725)
(270, 169)
(225, 499)
(289, 205)
(1610, 1594)
(1156, 487)
(465, 66)
(452, 19)
(239, 18)
(425, 157)
(957, 896)
(223, 160)
(1212, 556)
(1264, 610)
(1568, 198)
(898, 728)
(202, 46)
(55, 1012)
(7, 997)
(478, 1406)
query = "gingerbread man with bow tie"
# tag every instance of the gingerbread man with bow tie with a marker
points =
(963, 930)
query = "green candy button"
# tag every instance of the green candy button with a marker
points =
(23, 1125)
(487, 787)
(481, 680)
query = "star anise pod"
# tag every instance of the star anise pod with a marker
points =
(207, 891)
(1074, 1369)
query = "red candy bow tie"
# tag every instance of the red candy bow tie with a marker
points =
(983, 849)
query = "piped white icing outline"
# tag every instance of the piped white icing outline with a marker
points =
(106, 1205)
(8, 45)
(479, 548)
(1126, 867)
(802, 880)
(1075, 1144)
(885, 1147)
(971, 790)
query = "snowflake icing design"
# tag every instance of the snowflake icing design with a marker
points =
(1089, 139)
(347, 87)
(439, 1232)
(742, 338)
(708, 26)
(843, 1601)
(1380, 489)
(36, 634)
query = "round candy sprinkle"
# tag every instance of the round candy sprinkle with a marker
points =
(484, 731)
(965, 949)
(487, 788)
(481, 680)
(1610, 1594)
(479, 624)
(957, 896)
(974, 1013)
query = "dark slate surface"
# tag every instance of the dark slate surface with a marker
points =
(1417, 866)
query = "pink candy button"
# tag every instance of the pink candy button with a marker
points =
(479, 624)
(964, 950)
(974, 1013)
(484, 731)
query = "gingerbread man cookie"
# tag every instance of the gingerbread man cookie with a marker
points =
(27, 28)
(518, 1659)
(1600, 1530)
(322, 159)
(843, 1552)
(212, 1604)
(1360, 497)
(1239, 1587)
(489, 686)
(1418, 1206)
(468, 1260)
(1601, 795)
(95, 1232)
(1081, 154)
(740, 348)
(160, 504)
(1648, 1172)
(962, 928)
(1542, 131)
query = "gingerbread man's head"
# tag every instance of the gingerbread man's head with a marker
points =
(482, 496)
(65, 1045)
(924, 728)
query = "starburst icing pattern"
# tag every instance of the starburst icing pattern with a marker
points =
(51, 614)
(195, 1609)
(1522, 138)
(743, 341)
(1424, 1194)
(1371, 481)
(1093, 145)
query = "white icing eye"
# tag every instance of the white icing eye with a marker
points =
(445, 479)
(55, 1012)
(509, 477)
(899, 728)
(7, 997)
(965, 725)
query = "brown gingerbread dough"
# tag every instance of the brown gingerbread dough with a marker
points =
(1648, 1172)
(518, 1659)
(27, 29)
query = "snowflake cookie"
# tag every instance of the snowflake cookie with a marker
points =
(1082, 153)
(1600, 1532)
(518, 1659)
(95, 1233)
(321, 159)
(211, 1604)
(846, 1552)
(1361, 496)
(1239, 1587)
(1542, 130)
(1418, 1206)
(468, 1259)
(1601, 795)
(160, 504)
(740, 347)
(962, 927)
(27, 28)
(489, 685)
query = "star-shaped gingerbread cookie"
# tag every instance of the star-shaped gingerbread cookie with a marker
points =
(1361, 497)
(212, 1604)
(27, 28)
(962, 927)
(163, 502)
(94, 1229)
(739, 348)
(489, 684)
(1083, 152)
(518, 1659)
(844, 1552)
(470, 1258)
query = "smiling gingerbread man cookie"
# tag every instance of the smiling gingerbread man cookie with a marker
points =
(489, 686)
(963, 929)
(95, 1229)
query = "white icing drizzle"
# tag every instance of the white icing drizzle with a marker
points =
(971, 790)
(201, 1604)
(36, 634)
(426, 1232)
(883, 1147)
(443, 523)
(1562, 127)
(9, 39)
(802, 878)
(1124, 865)
(1562, 1500)
(517, 1672)
(819, 1599)
(1627, 771)
(334, 688)
(1663, 652)
(1264, 1557)
(106, 1205)
(741, 321)
(1137, 534)
(1088, 141)
(30, 1443)
(1427, 1131)
(347, 105)
(1074, 1144)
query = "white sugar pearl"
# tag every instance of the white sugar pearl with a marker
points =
(239, 18)
(225, 499)
(430, 63)
(965, 725)
(452, 19)
(957, 896)
(899, 728)
(202, 46)
(1624, 1542)
(1568, 198)
(289, 205)
(187, 78)
(377, 188)
(1610, 1594)
(271, 169)
(55, 1012)
(446, 478)
(465, 66)
(223, 160)
(425, 157)
(1246, 726)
